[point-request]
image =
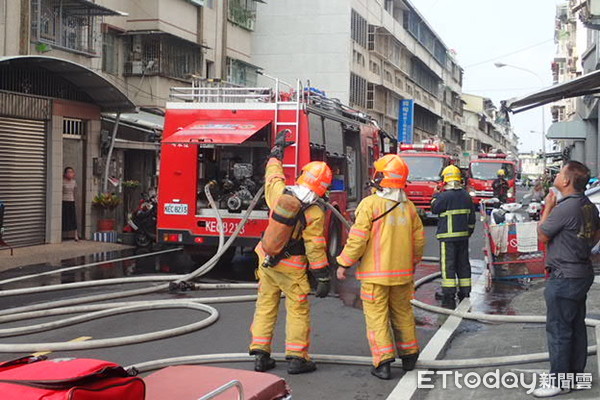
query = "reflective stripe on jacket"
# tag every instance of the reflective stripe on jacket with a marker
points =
(456, 214)
(388, 248)
(313, 233)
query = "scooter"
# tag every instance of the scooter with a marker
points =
(143, 221)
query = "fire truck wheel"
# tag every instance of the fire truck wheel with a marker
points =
(142, 240)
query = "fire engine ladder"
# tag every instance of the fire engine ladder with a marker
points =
(293, 126)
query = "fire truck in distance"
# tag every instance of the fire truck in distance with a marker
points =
(426, 162)
(483, 171)
(223, 136)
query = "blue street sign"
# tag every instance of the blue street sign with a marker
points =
(405, 121)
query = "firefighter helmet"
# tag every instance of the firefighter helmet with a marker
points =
(394, 170)
(316, 176)
(501, 172)
(451, 174)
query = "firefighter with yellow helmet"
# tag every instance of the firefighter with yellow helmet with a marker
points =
(455, 225)
(501, 186)
(287, 271)
(387, 239)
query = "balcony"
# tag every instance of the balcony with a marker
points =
(72, 25)
(242, 13)
(163, 54)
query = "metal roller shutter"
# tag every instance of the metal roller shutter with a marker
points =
(23, 180)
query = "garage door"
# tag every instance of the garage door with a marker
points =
(23, 180)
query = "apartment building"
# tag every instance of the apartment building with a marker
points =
(69, 67)
(369, 54)
(486, 128)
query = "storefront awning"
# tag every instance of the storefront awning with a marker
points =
(584, 85)
(97, 89)
(216, 132)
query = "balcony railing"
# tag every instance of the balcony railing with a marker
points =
(70, 25)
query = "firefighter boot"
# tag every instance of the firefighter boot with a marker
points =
(263, 361)
(384, 370)
(299, 365)
(409, 361)
(449, 301)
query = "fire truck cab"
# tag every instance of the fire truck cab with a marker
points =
(426, 162)
(483, 171)
(223, 136)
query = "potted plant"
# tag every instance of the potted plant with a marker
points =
(106, 202)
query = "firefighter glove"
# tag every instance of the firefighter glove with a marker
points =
(280, 144)
(323, 286)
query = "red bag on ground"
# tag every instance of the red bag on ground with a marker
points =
(33, 378)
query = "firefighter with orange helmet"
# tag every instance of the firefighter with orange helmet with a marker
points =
(387, 239)
(287, 272)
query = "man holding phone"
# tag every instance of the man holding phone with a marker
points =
(570, 227)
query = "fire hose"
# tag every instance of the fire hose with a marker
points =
(96, 311)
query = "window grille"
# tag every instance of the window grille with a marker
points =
(358, 28)
(73, 128)
(358, 91)
(241, 73)
(163, 54)
(242, 13)
(64, 25)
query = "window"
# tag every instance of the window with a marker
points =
(389, 6)
(73, 128)
(242, 13)
(67, 25)
(424, 168)
(425, 78)
(374, 68)
(371, 37)
(163, 54)
(241, 73)
(489, 170)
(419, 29)
(358, 29)
(358, 91)
(110, 53)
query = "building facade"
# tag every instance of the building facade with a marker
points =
(68, 68)
(369, 54)
(486, 129)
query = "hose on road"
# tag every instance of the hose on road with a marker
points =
(95, 311)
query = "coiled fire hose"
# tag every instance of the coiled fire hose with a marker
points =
(95, 311)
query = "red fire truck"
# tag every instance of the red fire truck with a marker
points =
(224, 135)
(426, 162)
(483, 171)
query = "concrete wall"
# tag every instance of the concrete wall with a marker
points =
(307, 39)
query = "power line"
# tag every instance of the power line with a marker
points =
(509, 54)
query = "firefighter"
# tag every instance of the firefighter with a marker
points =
(455, 225)
(500, 186)
(388, 240)
(289, 273)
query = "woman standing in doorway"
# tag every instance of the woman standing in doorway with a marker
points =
(69, 217)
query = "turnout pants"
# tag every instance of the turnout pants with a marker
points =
(390, 320)
(272, 282)
(456, 270)
(565, 323)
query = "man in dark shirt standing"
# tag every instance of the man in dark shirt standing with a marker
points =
(570, 227)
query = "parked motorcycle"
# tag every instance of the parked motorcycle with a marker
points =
(143, 221)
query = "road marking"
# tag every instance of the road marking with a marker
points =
(407, 386)
(79, 339)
